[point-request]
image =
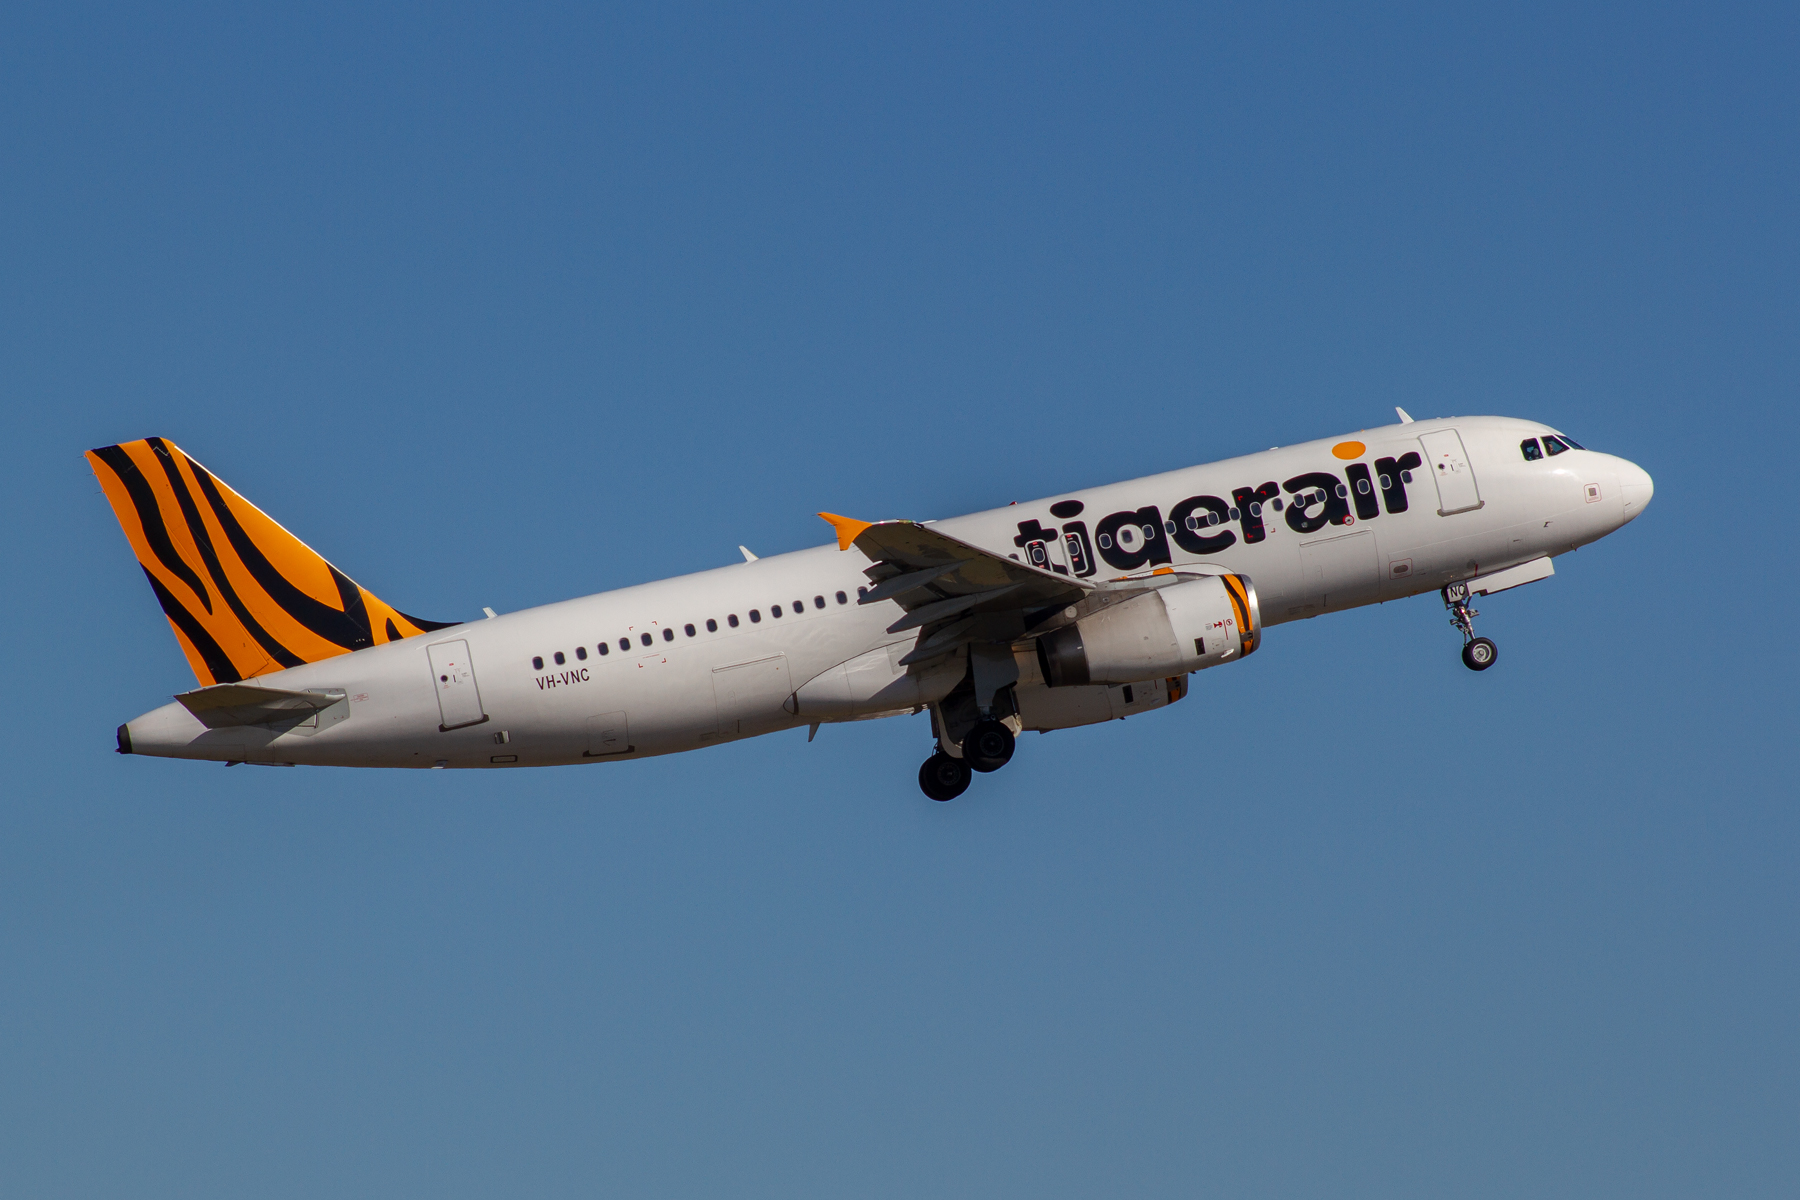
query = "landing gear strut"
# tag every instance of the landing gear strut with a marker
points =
(1478, 653)
(943, 777)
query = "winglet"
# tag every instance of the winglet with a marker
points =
(1404, 418)
(847, 528)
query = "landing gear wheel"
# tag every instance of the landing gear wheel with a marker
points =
(988, 747)
(1480, 654)
(943, 777)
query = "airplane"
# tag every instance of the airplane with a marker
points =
(1082, 607)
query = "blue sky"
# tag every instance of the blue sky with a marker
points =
(496, 306)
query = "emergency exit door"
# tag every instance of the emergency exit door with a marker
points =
(459, 701)
(1449, 465)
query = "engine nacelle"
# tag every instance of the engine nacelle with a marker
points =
(1187, 626)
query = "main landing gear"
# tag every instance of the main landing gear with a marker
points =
(988, 747)
(943, 777)
(1478, 653)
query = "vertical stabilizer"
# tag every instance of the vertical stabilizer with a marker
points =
(245, 596)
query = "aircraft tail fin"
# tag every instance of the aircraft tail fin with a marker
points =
(244, 596)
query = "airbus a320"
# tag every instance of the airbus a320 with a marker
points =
(1088, 606)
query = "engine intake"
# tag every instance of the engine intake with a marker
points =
(1187, 626)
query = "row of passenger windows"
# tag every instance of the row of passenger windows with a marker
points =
(668, 633)
(1553, 446)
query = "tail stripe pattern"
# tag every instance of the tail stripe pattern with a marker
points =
(347, 628)
(150, 519)
(194, 637)
(283, 604)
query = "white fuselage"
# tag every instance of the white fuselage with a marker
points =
(683, 690)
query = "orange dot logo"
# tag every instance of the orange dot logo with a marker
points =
(1349, 450)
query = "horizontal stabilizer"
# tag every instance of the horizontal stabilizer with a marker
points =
(231, 704)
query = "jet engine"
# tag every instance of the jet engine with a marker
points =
(1196, 623)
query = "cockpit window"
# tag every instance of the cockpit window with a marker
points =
(1529, 448)
(1554, 446)
(1571, 443)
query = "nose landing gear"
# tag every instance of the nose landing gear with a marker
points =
(1478, 653)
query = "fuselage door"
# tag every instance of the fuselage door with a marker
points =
(1449, 465)
(459, 703)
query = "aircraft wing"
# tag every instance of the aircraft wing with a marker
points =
(229, 704)
(955, 592)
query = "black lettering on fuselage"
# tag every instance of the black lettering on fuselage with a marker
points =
(1198, 541)
(562, 679)
(1249, 505)
(1033, 534)
(1079, 549)
(1333, 510)
(1153, 545)
(1362, 492)
(1393, 486)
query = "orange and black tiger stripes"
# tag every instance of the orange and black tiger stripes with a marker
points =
(1249, 635)
(244, 596)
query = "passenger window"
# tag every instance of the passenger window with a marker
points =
(818, 602)
(799, 607)
(559, 658)
(581, 653)
(1529, 448)
(755, 616)
(732, 620)
(668, 635)
(774, 611)
(1362, 487)
(624, 643)
(537, 663)
(1553, 446)
(688, 629)
(1256, 508)
(604, 649)
(644, 638)
(861, 592)
(842, 599)
(1275, 504)
(712, 626)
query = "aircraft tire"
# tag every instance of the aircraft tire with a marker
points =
(943, 777)
(1480, 654)
(988, 747)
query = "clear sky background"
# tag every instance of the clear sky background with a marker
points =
(497, 306)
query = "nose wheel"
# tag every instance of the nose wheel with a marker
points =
(1478, 653)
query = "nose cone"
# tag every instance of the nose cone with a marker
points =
(1635, 487)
